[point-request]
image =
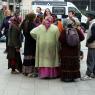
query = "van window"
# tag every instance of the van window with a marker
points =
(73, 9)
(56, 7)
(58, 10)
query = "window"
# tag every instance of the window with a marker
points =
(73, 9)
(58, 10)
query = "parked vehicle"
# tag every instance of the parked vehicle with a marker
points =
(60, 8)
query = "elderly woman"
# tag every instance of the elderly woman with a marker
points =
(14, 45)
(29, 45)
(69, 56)
(47, 60)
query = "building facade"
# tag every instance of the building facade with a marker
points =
(13, 4)
(23, 5)
(81, 4)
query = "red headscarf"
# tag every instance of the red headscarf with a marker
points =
(15, 21)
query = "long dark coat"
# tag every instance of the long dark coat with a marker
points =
(30, 43)
(14, 42)
(14, 39)
(69, 57)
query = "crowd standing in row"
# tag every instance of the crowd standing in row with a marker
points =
(47, 50)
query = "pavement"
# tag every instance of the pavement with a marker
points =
(20, 85)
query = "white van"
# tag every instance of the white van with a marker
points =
(60, 8)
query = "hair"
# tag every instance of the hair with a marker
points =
(46, 11)
(91, 17)
(16, 20)
(73, 12)
(54, 15)
(17, 13)
(31, 16)
(39, 8)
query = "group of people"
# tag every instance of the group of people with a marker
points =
(47, 54)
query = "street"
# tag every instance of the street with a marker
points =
(11, 84)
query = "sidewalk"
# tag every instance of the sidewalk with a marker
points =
(21, 85)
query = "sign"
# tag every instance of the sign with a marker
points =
(58, 10)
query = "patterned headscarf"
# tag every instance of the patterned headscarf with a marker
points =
(47, 21)
(16, 20)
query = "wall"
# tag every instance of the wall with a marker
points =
(25, 7)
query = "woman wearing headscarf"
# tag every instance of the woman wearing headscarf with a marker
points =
(70, 56)
(47, 59)
(38, 20)
(14, 45)
(29, 45)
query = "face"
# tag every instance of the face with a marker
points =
(7, 13)
(49, 19)
(70, 14)
(54, 18)
(38, 10)
(48, 13)
(89, 18)
(47, 22)
(4, 7)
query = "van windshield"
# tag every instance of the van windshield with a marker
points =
(56, 7)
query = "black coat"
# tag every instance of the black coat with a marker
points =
(30, 43)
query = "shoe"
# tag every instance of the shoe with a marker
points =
(92, 75)
(14, 72)
(25, 74)
(86, 77)
(68, 80)
(33, 75)
(29, 75)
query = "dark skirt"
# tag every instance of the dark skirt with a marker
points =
(28, 64)
(70, 58)
(14, 59)
(70, 69)
(70, 63)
